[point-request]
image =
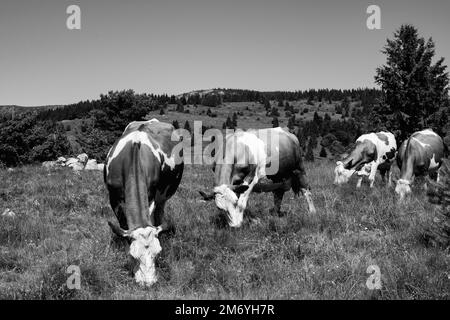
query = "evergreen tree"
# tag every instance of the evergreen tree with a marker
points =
(323, 153)
(291, 123)
(309, 156)
(187, 126)
(235, 118)
(275, 122)
(267, 105)
(414, 89)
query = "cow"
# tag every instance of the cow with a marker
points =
(372, 152)
(264, 160)
(141, 174)
(419, 155)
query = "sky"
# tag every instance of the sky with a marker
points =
(168, 46)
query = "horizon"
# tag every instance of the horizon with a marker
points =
(182, 93)
(175, 47)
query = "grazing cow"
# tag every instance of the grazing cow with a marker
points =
(141, 174)
(373, 151)
(422, 153)
(251, 157)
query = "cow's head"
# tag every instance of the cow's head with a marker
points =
(342, 175)
(403, 188)
(144, 248)
(227, 199)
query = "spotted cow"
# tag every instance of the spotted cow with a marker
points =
(419, 155)
(265, 160)
(372, 152)
(141, 174)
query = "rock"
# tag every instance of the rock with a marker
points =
(49, 164)
(83, 158)
(71, 161)
(91, 165)
(77, 166)
(100, 166)
(61, 161)
(8, 213)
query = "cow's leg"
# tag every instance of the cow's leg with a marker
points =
(117, 204)
(373, 172)
(299, 182)
(277, 199)
(242, 203)
(389, 178)
(358, 184)
(158, 214)
(434, 175)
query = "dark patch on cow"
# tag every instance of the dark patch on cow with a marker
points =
(383, 137)
(390, 155)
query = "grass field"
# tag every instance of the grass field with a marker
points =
(61, 220)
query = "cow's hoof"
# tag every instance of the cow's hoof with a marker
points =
(282, 213)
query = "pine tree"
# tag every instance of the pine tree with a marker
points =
(267, 105)
(323, 153)
(414, 89)
(291, 123)
(235, 118)
(275, 122)
(187, 126)
(309, 156)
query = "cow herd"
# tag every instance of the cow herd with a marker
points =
(143, 171)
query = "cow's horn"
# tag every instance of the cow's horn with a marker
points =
(118, 230)
(207, 197)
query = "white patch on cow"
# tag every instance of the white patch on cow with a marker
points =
(151, 208)
(433, 163)
(168, 161)
(133, 137)
(257, 149)
(423, 145)
(144, 248)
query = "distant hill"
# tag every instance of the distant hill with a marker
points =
(14, 109)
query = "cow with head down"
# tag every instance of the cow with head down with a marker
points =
(419, 155)
(141, 174)
(265, 160)
(372, 152)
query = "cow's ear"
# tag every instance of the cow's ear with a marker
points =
(207, 196)
(240, 189)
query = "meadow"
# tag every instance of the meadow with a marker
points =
(61, 220)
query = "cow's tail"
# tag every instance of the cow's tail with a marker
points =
(136, 198)
(295, 182)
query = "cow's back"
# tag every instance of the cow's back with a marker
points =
(282, 147)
